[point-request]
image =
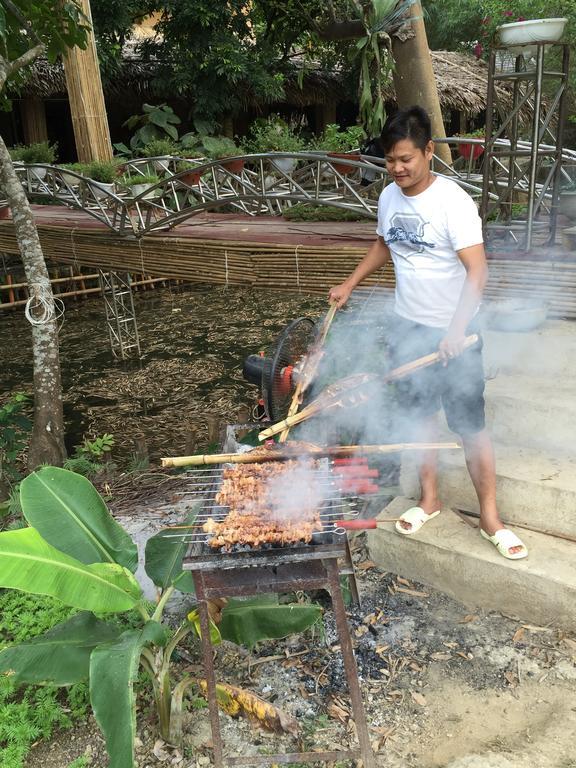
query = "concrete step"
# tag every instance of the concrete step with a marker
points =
(549, 351)
(535, 412)
(450, 556)
(533, 488)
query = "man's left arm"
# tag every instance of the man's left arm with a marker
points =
(474, 260)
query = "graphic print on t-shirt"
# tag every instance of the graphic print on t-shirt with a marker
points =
(407, 231)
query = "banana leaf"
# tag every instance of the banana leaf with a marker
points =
(164, 555)
(60, 656)
(246, 622)
(70, 514)
(30, 564)
(113, 669)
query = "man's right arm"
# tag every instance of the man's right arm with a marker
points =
(377, 256)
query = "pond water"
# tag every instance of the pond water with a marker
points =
(193, 342)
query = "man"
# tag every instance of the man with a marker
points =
(430, 228)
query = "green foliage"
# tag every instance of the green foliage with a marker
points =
(246, 622)
(40, 152)
(217, 147)
(333, 139)
(101, 171)
(155, 123)
(15, 429)
(99, 446)
(305, 212)
(142, 178)
(29, 714)
(160, 148)
(273, 135)
(60, 503)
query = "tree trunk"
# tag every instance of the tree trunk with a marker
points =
(47, 441)
(414, 79)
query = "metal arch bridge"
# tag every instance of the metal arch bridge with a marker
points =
(262, 184)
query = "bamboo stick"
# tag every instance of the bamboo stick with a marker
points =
(258, 457)
(312, 361)
(330, 398)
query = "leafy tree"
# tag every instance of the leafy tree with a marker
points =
(28, 29)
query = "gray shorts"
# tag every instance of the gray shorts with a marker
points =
(458, 387)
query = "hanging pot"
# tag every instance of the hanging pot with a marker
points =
(345, 168)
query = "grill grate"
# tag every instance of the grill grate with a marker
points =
(205, 485)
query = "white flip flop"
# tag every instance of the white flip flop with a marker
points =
(504, 540)
(416, 517)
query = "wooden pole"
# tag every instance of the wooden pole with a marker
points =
(257, 457)
(33, 115)
(86, 97)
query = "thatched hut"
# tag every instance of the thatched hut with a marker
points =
(42, 111)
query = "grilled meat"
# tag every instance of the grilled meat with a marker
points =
(260, 508)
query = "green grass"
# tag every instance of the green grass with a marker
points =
(32, 713)
(304, 212)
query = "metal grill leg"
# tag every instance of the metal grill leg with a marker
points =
(208, 663)
(120, 315)
(349, 664)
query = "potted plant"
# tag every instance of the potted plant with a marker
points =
(275, 135)
(77, 168)
(140, 183)
(41, 152)
(102, 177)
(5, 211)
(341, 144)
(187, 172)
(161, 150)
(219, 147)
(472, 149)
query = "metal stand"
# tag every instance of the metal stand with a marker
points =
(120, 315)
(517, 171)
(285, 576)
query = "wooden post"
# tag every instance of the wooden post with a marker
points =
(87, 99)
(33, 116)
(414, 79)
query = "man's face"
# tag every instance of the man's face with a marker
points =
(410, 166)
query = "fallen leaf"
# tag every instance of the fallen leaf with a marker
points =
(440, 656)
(160, 753)
(337, 713)
(380, 649)
(450, 645)
(361, 630)
(533, 628)
(464, 655)
(365, 565)
(468, 618)
(405, 582)
(518, 635)
(418, 698)
(511, 678)
(413, 592)
(416, 667)
(236, 701)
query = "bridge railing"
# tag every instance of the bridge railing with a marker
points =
(255, 185)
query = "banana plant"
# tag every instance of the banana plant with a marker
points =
(75, 551)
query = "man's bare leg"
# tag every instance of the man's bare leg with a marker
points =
(427, 470)
(479, 455)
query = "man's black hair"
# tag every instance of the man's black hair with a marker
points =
(412, 123)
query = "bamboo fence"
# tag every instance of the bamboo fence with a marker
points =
(306, 267)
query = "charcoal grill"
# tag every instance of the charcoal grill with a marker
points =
(242, 573)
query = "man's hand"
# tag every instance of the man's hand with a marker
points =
(340, 294)
(451, 346)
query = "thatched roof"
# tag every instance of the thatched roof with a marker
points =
(461, 80)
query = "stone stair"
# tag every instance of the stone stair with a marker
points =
(531, 413)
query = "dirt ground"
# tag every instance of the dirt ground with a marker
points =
(442, 687)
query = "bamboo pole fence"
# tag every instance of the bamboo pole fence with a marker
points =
(307, 266)
(17, 293)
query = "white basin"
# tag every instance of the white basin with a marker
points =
(532, 31)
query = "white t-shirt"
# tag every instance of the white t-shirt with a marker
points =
(424, 233)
